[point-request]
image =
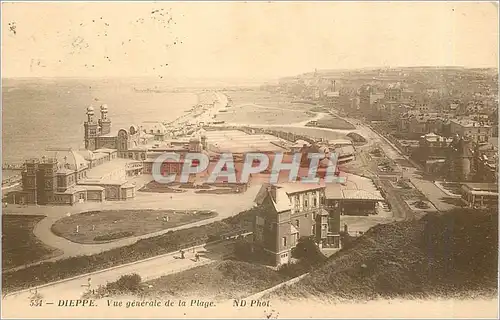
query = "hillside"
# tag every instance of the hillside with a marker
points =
(218, 281)
(454, 254)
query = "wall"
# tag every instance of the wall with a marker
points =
(95, 195)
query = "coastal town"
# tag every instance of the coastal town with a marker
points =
(257, 160)
(406, 147)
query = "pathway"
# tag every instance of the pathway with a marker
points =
(224, 205)
(148, 269)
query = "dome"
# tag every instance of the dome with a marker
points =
(90, 109)
(71, 160)
(104, 107)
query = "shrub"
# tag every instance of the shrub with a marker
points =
(346, 240)
(308, 252)
(126, 283)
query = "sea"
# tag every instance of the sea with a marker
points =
(42, 113)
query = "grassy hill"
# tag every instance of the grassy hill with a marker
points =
(453, 254)
(221, 280)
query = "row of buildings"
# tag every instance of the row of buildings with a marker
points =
(451, 140)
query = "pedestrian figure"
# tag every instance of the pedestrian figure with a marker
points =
(77, 228)
(197, 257)
(182, 254)
(93, 227)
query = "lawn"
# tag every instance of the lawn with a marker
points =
(142, 249)
(251, 114)
(105, 226)
(268, 99)
(331, 122)
(311, 132)
(216, 281)
(19, 244)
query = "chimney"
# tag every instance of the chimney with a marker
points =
(272, 192)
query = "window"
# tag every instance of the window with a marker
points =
(283, 241)
(315, 202)
(306, 203)
(297, 223)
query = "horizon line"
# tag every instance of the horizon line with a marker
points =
(253, 77)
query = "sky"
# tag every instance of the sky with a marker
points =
(241, 40)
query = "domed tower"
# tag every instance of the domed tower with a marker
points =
(104, 122)
(91, 130)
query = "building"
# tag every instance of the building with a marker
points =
(101, 171)
(343, 148)
(289, 211)
(485, 163)
(480, 194)
(393, 93)
(431, 147)
(477, 131)
(459, 159)
(66, 177)
(368, 96)
(358, 197)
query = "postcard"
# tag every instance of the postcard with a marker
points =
(258, 160)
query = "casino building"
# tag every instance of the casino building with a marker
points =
(105, 170)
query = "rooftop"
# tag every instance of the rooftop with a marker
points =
(236, 141)
(467, 123)
(100, 171)
(296, 187)
(355, 188)
(492, 187)
(69, 159)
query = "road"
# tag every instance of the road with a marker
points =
(148, 269)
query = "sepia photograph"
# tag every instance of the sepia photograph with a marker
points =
(249, 160)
